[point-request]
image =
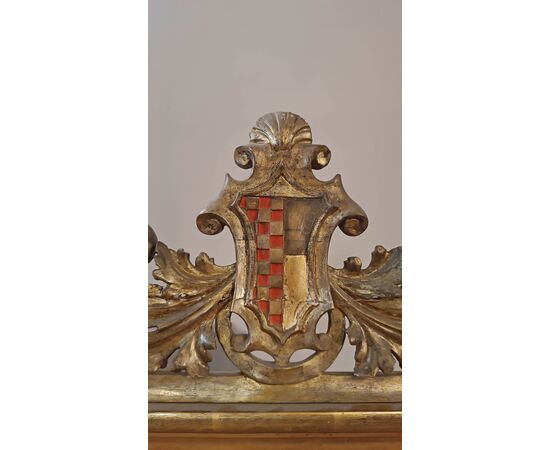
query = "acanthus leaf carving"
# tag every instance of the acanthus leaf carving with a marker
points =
(182, 313)
(282, 219)
(371, 299)
(193, 356)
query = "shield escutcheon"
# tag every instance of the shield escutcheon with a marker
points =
(282, 218)
(283, 229)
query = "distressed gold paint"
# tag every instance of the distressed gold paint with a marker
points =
(295, 288)
(196, 302)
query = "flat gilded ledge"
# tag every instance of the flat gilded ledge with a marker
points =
(286, 441)
(326, 388)
(276, 422)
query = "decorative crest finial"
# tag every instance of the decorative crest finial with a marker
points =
(283, 130)
(282, 219)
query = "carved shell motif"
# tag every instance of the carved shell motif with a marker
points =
(281, 283)
(283, 130)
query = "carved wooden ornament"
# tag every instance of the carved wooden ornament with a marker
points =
(282, 219)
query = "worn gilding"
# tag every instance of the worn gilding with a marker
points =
(282, 219)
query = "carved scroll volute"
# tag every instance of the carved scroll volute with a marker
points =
(282, 219)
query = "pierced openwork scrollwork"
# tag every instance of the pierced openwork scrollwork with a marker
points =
(282, 219)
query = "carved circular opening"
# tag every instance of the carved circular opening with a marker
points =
(240, 334)
(283, 371)
(302, 355)
(262, 356)
(322, 324)
(238, 325)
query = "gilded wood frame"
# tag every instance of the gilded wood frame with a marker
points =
(281, 218)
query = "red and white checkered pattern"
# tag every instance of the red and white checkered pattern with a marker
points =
(267, 216)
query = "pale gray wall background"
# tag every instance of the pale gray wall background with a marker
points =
(216, 66)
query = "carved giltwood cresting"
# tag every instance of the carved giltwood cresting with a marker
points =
(282, 219)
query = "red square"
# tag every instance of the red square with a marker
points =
(242, 203)
(265, 202)
(264, 305)
(263, 280)
(263, 227)
(276, 241)
(275, 293)
(275, 319)
(276, 216)
(276, 269)
(263, 254)
(252, 215)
